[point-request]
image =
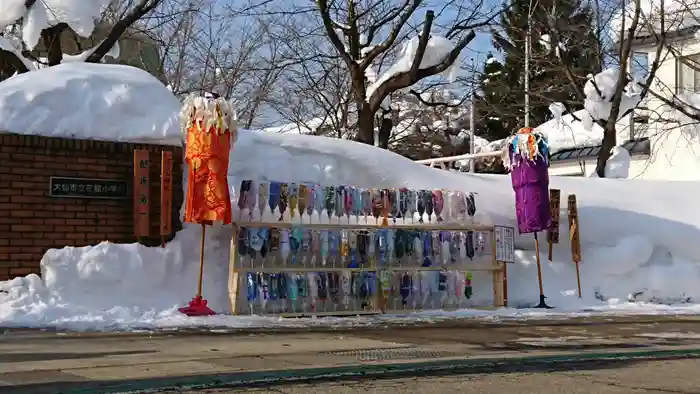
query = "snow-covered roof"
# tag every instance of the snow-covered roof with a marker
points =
(90, 101)
(678, 15)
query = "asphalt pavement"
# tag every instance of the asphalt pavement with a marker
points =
(482, 355)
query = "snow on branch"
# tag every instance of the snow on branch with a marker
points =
(421, 57)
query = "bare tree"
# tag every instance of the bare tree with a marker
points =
(353, 27)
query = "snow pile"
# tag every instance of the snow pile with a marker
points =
(90, 101)
(437, 50)
(618, 164)
(13, 45)
(79, 15)
(599, 91)
(631, 245)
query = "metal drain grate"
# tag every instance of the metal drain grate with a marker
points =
(392, 354)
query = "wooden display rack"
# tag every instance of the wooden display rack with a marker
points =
(486, 262)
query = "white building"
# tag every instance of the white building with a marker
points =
(659, 147)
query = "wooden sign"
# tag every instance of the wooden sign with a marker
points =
(166, 193)
(574, 230)
(554, 204)
(142, 193)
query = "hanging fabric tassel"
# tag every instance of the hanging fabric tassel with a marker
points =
(303, 192)
(442, 287)
(252, 290)
(468, 285)
(243, 197)
(310, 200)
(471, 204)
(324, 246)
(366, 203)
(284, 198)
(445, 254)
(403, 203)
(421, 205)
(352, 246)
(411, 201)
(273, 287)
(312, 285)
(305, 244)
(438, 204)
(469, 243)
(405, 290)
(275, 192)
(376, 205)
(330, 202)
(319, 200)
(428, 201)
(386, 206)
(263, 191)
(284, 245)
(315, 246)
(348, 201)
(339, 202)
(357, 204)
(293, 290)
(264, 290)
(390, 245)
(346, 285)
(334, 245)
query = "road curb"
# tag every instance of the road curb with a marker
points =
(466, 366)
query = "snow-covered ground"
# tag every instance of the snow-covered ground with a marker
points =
(637, 236)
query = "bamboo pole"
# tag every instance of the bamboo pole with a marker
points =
(201, 261)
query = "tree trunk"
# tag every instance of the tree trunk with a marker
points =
(365, 134)
(52, 42)
(607, 145)
(385, 132)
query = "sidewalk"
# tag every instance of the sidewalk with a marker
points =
(36, 362)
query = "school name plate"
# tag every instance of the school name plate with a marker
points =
(66, 187)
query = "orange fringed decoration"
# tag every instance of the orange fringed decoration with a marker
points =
(207, 156)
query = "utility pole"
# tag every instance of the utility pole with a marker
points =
(472, 148)
(528, 38)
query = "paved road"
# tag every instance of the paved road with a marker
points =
(34, 361)
(656, 377)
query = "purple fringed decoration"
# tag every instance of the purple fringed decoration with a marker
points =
(531, 184)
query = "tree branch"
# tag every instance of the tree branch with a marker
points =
(119, 28)
(405, 79)
(422, 43)
(393, 35)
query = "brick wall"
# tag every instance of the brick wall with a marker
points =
(32, 222)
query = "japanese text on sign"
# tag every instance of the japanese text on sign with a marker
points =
(87, 188)
(505, 243)
(166, 190)
(142, 193)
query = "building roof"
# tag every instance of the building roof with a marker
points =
(636, 147)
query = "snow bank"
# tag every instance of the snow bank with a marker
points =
(90, 101)
(637, 237)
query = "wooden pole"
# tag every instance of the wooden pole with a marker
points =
(201, 262)
(542, 303)
(578, 279)
(233, 273)
(539, 265)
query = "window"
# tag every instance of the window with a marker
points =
(639, 67)
(688, 74)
